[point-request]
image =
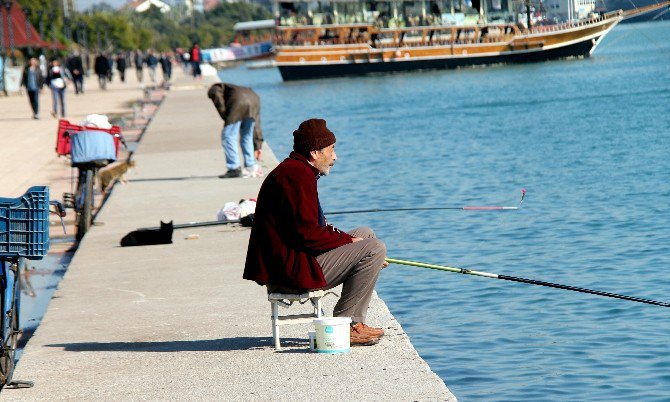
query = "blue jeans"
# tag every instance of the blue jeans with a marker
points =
(244, 130)
(58, 96)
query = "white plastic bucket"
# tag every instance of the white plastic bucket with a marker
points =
(332, 334)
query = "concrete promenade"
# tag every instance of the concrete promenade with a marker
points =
(177, 321)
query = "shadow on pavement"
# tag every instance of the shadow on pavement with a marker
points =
(225, 344)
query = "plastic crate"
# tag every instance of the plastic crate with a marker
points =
(63, 142)
(24, 224)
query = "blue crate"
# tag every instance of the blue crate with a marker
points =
(24, 224)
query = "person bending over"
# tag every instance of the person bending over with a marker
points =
(293, 249)
(240, 109)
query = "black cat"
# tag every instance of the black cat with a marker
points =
(147, 237)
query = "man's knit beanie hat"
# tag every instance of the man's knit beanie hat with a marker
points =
(311, 135)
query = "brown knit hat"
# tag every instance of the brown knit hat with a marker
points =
(311, 135)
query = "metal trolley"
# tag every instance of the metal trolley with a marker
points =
(90, 149)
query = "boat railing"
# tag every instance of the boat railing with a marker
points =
(394, 37)
(576, 24)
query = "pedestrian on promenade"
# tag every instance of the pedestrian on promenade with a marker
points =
(152, 63)
(33, 80)
(240, 109)
(196, 59)
(101, 68)
(121, 65)
(110, 71)
(76, 67)
(185, 62)
(139, 65)
(56, 81)
(292, 248)
(166, 66)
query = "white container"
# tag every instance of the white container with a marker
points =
(332, 334)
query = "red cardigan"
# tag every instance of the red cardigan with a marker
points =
(286, 236)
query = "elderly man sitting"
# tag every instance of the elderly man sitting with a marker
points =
(292, 248)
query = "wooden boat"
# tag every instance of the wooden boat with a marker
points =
(307, 48)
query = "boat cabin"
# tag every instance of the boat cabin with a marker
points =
(251, 32)
(397, 13)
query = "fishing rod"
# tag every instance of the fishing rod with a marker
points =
(196, 224)
(466, 208)
(524, 280)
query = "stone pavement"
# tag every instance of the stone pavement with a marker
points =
(178, 321)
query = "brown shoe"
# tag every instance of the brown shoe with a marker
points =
(361, 328)
(356, 339)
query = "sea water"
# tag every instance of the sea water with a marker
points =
(590, 142)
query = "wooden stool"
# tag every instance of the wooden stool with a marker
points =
(286, 300)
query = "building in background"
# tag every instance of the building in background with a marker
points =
(140, 6)
(569, 10)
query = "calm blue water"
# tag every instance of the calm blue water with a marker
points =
(588, 139)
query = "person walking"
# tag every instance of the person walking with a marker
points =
(110, 70)
(76, 67)
(293, 249)
(121, 66)
(33, 80)
(240, 109)
(139, 65)
(152, 63)
(56, 81)
(166, 66)
(101, 68)
(196, 59)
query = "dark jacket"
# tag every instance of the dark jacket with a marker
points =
(121, 62)
(75, 65)
(287, 234)
(101, 65)
(138, 59)
(151, 61)
(235, 103)
(39, 78)
(166, 64)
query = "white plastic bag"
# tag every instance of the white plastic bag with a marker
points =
(230, 211)
(247, 207)
(96, 120)
(233, 211)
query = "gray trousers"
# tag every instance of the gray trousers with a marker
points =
(356, 266)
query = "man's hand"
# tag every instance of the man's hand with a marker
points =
(257, 154)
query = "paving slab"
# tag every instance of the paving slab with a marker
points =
(177, 321)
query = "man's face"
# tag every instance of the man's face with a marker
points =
(324, 159)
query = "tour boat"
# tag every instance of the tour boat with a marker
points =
(333, 38)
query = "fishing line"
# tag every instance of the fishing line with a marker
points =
(660, 14)
(465, 208)
(525, 280)
(651, 40)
